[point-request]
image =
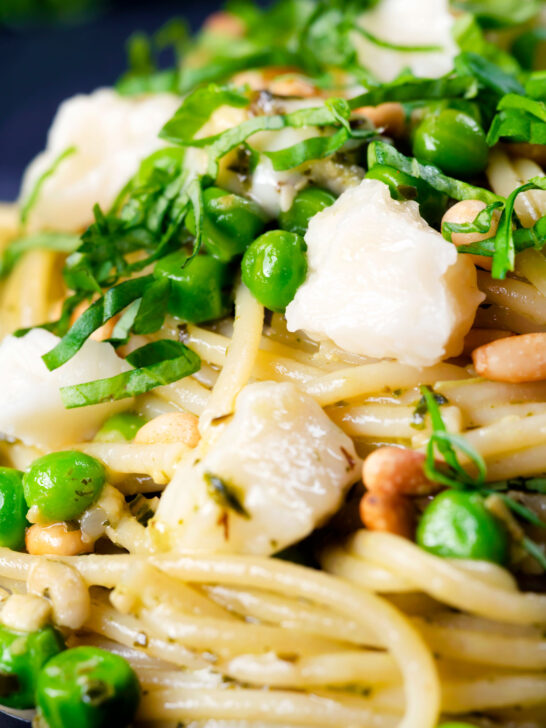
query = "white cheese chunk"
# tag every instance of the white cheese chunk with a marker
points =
(382, 283)
(31, 409)
(112, 135)
(287, 463)
(407, 22)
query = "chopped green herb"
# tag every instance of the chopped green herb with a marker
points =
(225, 494)
(453, 475)
(59, 242)
(419, 413)
(161, 362)
(32, 199)
(382, 153)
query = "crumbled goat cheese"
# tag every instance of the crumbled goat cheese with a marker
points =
(382, 283)
(283, 460)
(408, 22)
(112, 135)
(31, 409)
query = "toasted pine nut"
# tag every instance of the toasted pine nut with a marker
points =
(280, 81)
(514, 359)
(395, 471)
(293, 86)
(65, 589)
(55, 539)
(25, 612)
(170, 427)
(385, 512)
(389, 116)
(224, 23)
(466, 211)
(479, 337)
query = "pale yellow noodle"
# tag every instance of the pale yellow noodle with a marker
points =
(420, 679)
(371, 378)
(447, 582)
(240, 357)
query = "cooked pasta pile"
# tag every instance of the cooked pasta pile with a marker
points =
(240, 597)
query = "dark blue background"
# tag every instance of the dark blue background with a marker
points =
(41, 66)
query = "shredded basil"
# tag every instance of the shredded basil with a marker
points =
(418, 89)
(509, 239)
(500, 13)
(59, 242)
(519, 119)
(156, 364)
(535, 551)
(527, 47)
(489, 75)
(196, 110)
(98, 313)
(32, 199)
(469, 36)
(505, 249)
(523, 238)
(152, 308)
(396, 46)
(535, 85)
(481, 223)
(144, 75)
(222, 67)
(453, 475)
(382, 153)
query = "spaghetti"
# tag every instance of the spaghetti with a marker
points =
(367, 628)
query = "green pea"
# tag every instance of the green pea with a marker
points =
(306, 205)
(457, 724)
(62, 485)
(453, 141)
(198, 288)
(421, 110)
(22, 656)
(121, 427)
(274, 267)
(230, 223)
(89, 688)
(458, 525)
(402, 186)
(13, 509)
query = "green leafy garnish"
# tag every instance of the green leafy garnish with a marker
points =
(31, 200)
(481, 223)
(396, 46)
(453, 475)
(500, 13)
(505, 250)
(518, 119)
(382, 153)
(225, 494)
(144, 75)
(98, 313)
(152, 308)
(196, 110)
(527, 47)
(469, 36)
(161, 362)
(447, 443)
(489, 75)
(421, 409)
(59, 242)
